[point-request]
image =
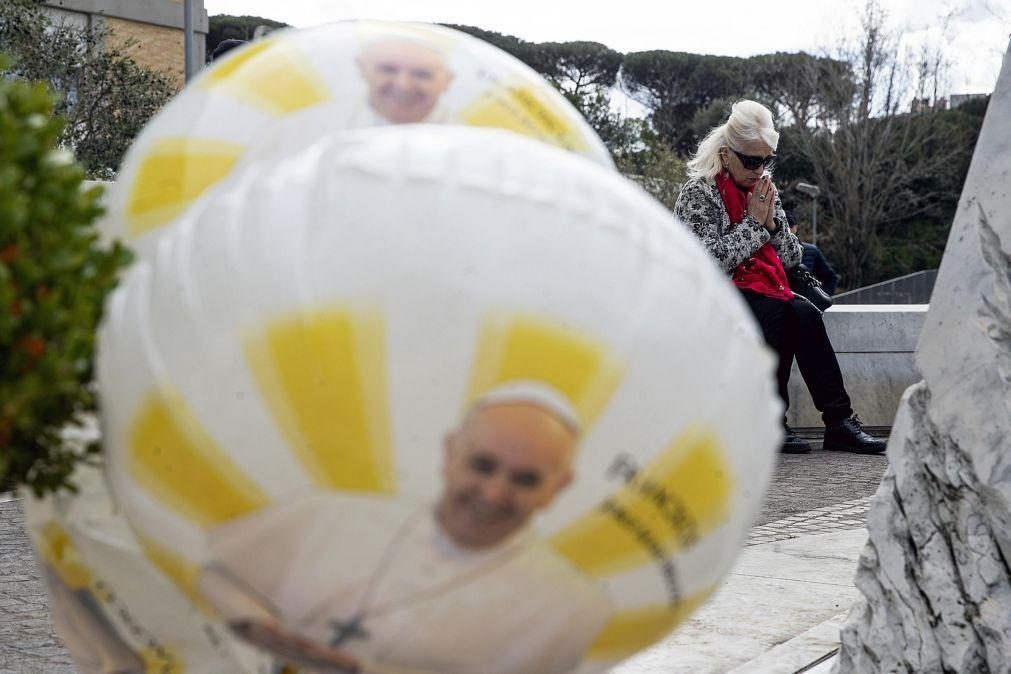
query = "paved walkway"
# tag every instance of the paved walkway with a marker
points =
(807, 482)
(796, 573)
(27, 642)
(777, 612)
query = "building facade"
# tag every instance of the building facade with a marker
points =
(149, 31)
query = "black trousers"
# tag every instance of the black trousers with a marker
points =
(794, 328)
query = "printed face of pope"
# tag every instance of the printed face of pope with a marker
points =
(405, 79)
(503, 464)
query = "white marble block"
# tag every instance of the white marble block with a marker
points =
(935, 575)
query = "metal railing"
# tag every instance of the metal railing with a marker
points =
(912, 288)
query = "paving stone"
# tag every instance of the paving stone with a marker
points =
(808, 482)
(28, 644)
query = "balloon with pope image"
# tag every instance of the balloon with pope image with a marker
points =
(422, 395)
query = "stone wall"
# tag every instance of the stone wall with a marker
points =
(875, 345)
(155, 47)
(151, 31)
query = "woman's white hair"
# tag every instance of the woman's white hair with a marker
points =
(749, 121)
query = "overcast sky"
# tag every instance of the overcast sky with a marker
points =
(974, 40)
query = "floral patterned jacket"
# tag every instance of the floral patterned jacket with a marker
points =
(700, 207)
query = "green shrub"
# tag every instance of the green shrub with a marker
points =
(54, 276)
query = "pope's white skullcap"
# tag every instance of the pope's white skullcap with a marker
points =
(536, 393)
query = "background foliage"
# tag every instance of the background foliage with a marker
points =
(53, 278)
(890, 177)
(228, 27)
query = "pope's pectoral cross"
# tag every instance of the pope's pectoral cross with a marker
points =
(346, 630)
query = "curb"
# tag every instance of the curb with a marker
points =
(800, 654)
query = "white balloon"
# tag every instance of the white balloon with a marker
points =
(340, 397)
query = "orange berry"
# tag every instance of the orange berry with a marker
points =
(10, 253)
(33, 346)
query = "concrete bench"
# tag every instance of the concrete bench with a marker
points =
(875, 345)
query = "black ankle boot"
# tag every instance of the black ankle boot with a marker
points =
(793, 443)
(849, 436)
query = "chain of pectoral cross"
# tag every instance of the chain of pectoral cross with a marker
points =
(353, 627)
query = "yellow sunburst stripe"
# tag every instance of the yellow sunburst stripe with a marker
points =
(178, 463)
(161, 660)
(57, 549)
(524, 110)
(271, 75)
(323, 375)
(661, 508)
(173, 173)
(183, 572)
(524, 347)
(632, 630)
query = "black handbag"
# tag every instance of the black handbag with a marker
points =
(803, 283)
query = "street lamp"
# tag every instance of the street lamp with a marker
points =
(812, 191)
(189, 60)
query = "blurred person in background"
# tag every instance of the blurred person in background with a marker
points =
(814, 260)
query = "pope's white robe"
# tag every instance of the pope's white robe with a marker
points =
(427, 605)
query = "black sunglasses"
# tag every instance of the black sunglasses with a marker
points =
(752, 162)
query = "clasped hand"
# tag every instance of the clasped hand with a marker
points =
(761, 200)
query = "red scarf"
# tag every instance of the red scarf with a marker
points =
(762, 272)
